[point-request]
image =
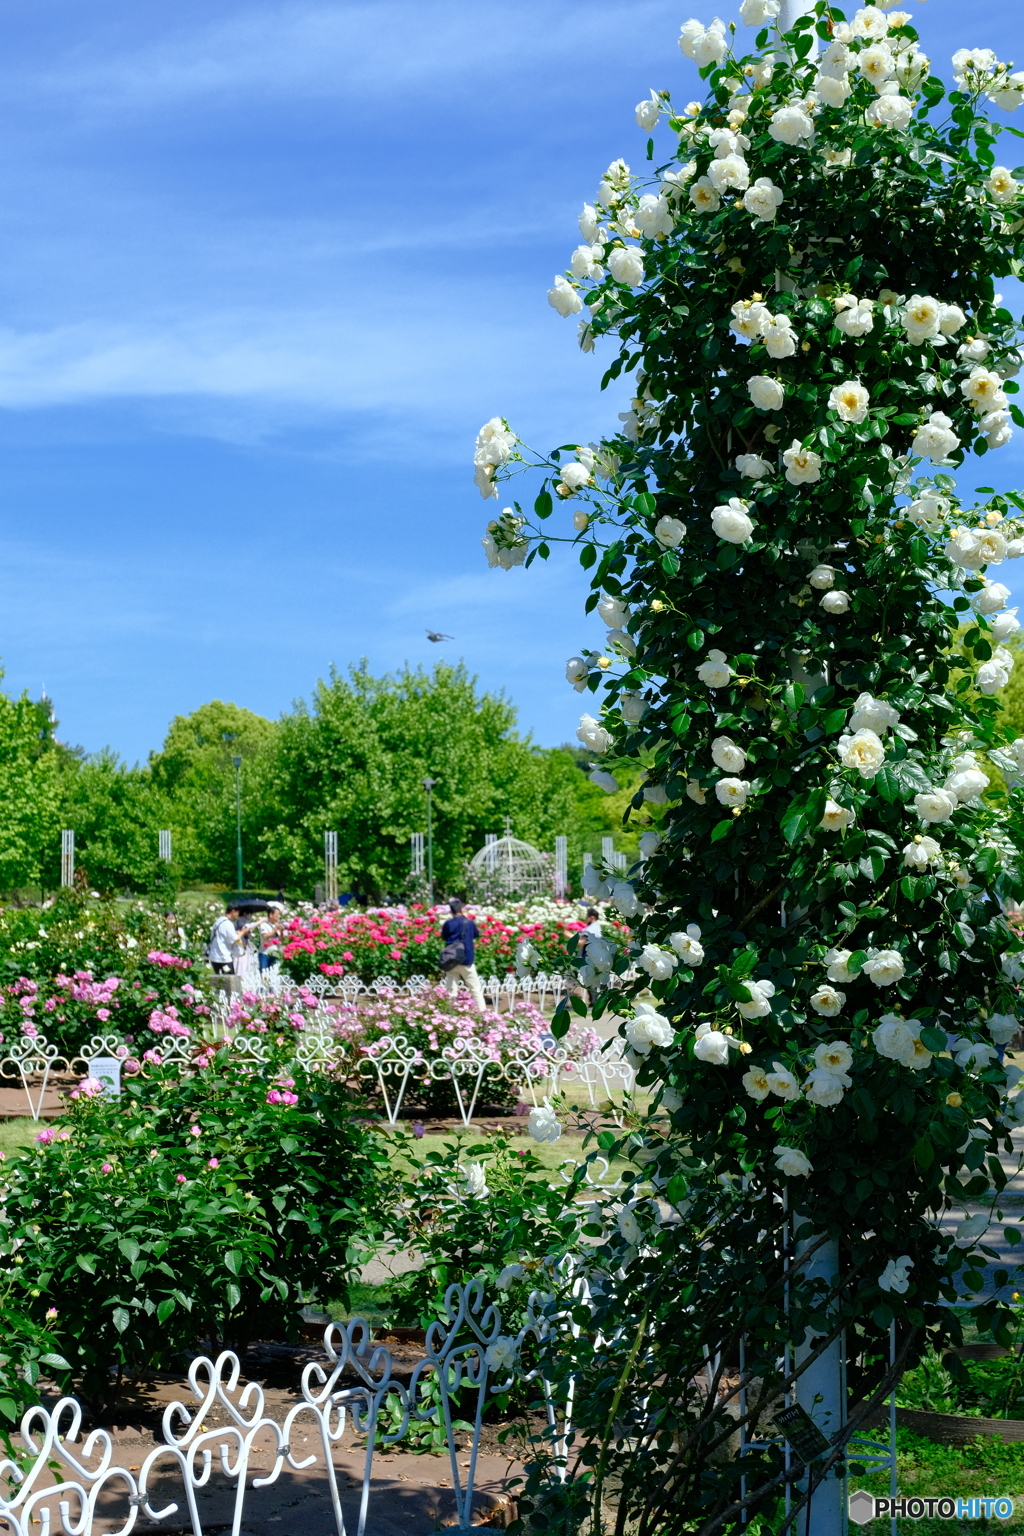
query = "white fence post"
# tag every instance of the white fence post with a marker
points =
(67, 858)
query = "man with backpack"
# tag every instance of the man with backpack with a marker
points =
(457, 954)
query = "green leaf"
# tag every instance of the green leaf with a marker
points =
(720, 829)
(9, 1409)
(234, 1295)
(887, 783)
(56, 1361)
(934, 1039)
(543, 504)
(924, 1153)
(165, 1309)
(855, 964)
(588, 554)
(233, 1260)
(794, 819)
(130, 1248)
(121, 1318)
(695, 639)
(793, 695)
(86, 1261)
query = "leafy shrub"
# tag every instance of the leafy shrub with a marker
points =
(190, 1208)
(26, 1347)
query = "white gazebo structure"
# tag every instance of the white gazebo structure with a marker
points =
(512, 867)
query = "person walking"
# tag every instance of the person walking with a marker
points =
(227, 942)
(458, 955)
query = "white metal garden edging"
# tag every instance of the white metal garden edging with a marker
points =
(465, 1349)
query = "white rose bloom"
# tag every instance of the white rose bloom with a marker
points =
(1003, 625)
(658, 963)
(895, 1039)
(603, 780)
(974, 547)
(755, 1081)
(851, 400)
(716, 671)
(912, 68)
(836, 818)
(593, 734)
(863, 751)
(952, 319)
(966, 782)
(885, 967)
(711, 1046)
(822, 578)
(854, 316)
(749, 318)
(757, 13)
(474, 1180)
(1008, 92)
(825, 1089)
(792, 1163)
(583, 264)
(505, 559)
(896, 1275)
(752, 467)
(1014, 549)
(688, 946)
(832, 90)
(543, 1123)
(837, 61)
(790, 125)
(1002, 1027)
(688, 35)
(669, 532)
(890, 110)
(732, 792)
(704, 46)
(577, 672)
(648, 112)
(802, 466)
(653, 215)
(763, 199)
(731, 523)
(922, 852)
(1001, 186)
(589, 223)
(656, 794)
(782, 1082)
(729, 171)
(766, 394)
(618, 640)
(991, 677)
(564, 298)
(626, 265)
(928, 511)
(509, 1273)
(573, 477)
(869, 713)
(921, 318)
(836, 960)
(835, 602)
(725, 754)
(876, 63)
(996, 427)
(984, 390)
(761, 993)
(935, 439)
(935, 806)
(991, 598)
(974, 350)
(704, 197)
(779, 337)
(968, 62)
(870, 22)
(648, 1029)
(633, 707)
(827, 1001)
(624, 897)
(973, 1055)
(612, 612)
(834, 1056)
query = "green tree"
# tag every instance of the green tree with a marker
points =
(30, 790)
(194, 774)
(116, 812)
(355, 760)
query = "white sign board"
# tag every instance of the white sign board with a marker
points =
(107, 1070)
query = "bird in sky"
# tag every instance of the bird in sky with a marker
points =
(432, 634)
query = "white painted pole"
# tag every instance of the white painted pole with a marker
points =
(820, 1392)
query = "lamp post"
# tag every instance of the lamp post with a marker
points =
(238, 817)
(428, 785)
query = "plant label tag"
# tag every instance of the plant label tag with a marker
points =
(803, 1434)
(107, 1070)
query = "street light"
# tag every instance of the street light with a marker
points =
(428, 785)
(238, 817)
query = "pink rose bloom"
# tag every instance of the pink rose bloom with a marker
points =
(103, 1013)
(45, 1137)
(180, 1179)
(213, 1163)
(107, 1168)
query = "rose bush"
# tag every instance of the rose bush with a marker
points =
(843, 330)
(192, 1207)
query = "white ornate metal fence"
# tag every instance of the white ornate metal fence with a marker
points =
(61, 1483)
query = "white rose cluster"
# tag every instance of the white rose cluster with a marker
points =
(752, 319)
(494, 444)
(688, 946)
(713, 1045)
(900, 1040)
(983, 390)
(502, 543)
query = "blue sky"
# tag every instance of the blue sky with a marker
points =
(265, 269)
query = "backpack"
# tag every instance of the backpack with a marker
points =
(453, 954)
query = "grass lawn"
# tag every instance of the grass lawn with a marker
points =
(987, 1467)
(18, 1135)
